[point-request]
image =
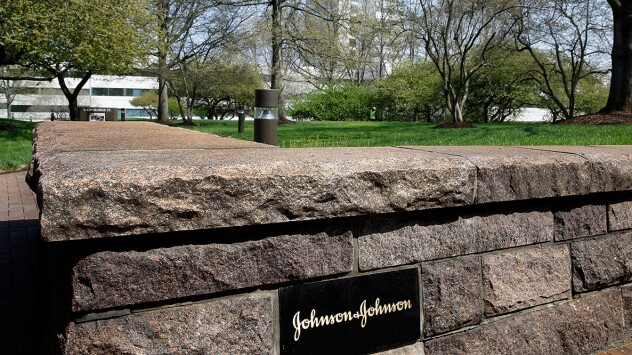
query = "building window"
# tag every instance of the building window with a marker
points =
(133, 92)
(139, 113)
(20, 108)
(116, 92)
(108, 91)
(100, 91)
(24, 90)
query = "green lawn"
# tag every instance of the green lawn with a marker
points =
(364, 134)
(15, 143)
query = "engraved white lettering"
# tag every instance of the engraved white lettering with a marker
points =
(363, 314)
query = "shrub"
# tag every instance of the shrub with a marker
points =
(339, 103)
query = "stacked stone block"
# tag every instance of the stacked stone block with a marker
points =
(519, 249)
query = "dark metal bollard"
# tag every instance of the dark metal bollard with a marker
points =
(266, 114)
(241, 122)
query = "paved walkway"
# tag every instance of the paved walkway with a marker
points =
(19, 244)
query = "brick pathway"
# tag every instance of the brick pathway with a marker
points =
(19, 244)
(622, 350)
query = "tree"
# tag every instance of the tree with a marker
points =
(174, 20)
(218, 33)
(191, 32)
(313, 34)
(458, 35)
(564, 39)
(411, 93)
(620, 96)
(148, 100)
(500, 89)
(74, 38)
(228, 87)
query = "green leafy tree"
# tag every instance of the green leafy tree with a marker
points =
(500, 89)
(230, 88)
(73, 38)
(148, 100)
(411, 93)
(217, 88)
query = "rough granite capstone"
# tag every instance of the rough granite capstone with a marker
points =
(583, 221)
(620, 216)
(241, 325)
(516, 173)
(626, 294)
(575, 327)
(104, 194)
(601, 262)
(50, 138)
(113, 279)
(525, 278)
(611, 166)
(386, 242)
(452, 292)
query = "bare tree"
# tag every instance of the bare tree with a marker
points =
(175, 20)
(565, 39)
(217, 32)
(457, 36)
(314, 39)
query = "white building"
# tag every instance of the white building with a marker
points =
(36, 100)
(532, 114)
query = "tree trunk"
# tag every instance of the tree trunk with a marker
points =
(9, 98)
(620, 97)
(276, 78)
(163, 91)
(72, 96)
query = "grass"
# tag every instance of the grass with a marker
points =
(15, 143)
(367, 134)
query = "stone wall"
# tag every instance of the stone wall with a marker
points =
(162, 240)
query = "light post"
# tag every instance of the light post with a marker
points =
(242, 119)
(266, 115)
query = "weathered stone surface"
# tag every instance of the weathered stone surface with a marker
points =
(50, 138)
(414, 349)
(509, 230)
(230, 326)
(611, 166)
(575, 327)
(452, 292)
(580, 222)
(515, 173)
(620, 216)
(385, 242)
(601, 262)
(102, 194)
(626, 293)
(525, 278)
(60, 136)
(112, 279)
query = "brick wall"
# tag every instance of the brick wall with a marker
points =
(181, 248)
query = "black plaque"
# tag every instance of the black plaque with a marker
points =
(352, 315)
